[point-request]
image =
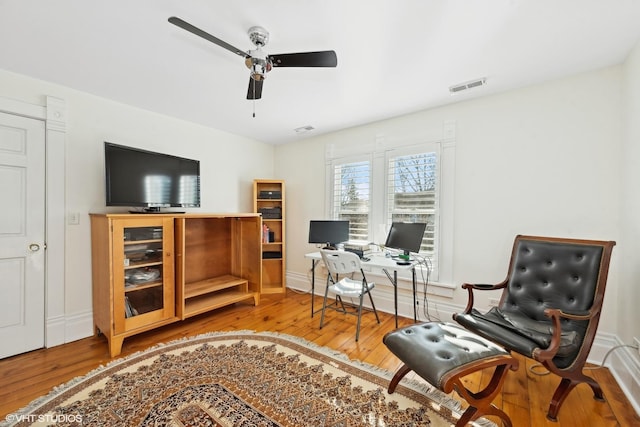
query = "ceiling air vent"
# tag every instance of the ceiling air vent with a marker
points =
(468, 85)
(304, 129)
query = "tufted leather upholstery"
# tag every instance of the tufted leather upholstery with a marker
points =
(550, 306)
(543, 275)
(434, 349)
(443, 354)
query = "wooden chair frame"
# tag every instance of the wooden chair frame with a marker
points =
(571, 375)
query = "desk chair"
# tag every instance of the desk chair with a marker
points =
(342, 263)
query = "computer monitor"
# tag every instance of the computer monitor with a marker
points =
(328, 232)
(406, 236)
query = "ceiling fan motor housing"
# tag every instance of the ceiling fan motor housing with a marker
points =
(259, 64)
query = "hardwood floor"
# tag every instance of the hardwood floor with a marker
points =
(525, 396)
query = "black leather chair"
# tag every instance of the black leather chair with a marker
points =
(550, 307)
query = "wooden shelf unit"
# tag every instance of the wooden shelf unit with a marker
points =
(269, 200)
(219, 262)
(204, 262)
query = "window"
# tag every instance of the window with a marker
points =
(412, 193)
(399, 183)
(351, 191)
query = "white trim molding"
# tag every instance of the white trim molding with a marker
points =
(55, 217)
(53, 113)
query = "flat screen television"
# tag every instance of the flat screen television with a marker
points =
(150, 180)
(406, 236)
(328, 232)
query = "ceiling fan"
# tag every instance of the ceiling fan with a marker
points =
(259, 62)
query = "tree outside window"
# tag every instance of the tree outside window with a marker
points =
(351, 192)
(412, 195)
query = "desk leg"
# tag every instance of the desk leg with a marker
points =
(313, 283)
(415, 306)
(395, 294)
(394, 282)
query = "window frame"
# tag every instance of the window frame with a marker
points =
(440, 278)
(331, 196)
(430, 258)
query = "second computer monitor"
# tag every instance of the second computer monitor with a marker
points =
(328, 232)
(406, 236)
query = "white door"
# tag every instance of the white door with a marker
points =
(22, 219)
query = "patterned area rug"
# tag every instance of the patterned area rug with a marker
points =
(239, 379)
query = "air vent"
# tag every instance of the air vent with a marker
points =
(468, 85)
(304, 129)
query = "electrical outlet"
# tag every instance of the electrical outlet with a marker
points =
(493, 302)
(637, 342)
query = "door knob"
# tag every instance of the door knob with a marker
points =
(34, 247)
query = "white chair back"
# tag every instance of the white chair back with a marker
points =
(340, 262)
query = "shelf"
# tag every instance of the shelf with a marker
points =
(141, 286)
(141, 242)
(133, 265)
(272, 289)
(215, 284)
(207, 302)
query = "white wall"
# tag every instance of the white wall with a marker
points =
(558, 159)
(539, 160)
(628, 303)
(629, 300)
(226, 176)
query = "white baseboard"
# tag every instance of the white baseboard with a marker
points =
(623, 362)
(64, 329)
(79, 326)
(383, 295)
(54, 331)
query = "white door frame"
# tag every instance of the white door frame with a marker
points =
(53, 113)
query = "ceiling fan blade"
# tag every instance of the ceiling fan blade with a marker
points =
(255, 89)
(198, 32)
(325, 58)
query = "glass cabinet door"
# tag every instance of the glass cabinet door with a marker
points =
(143, 270)
(143, 286)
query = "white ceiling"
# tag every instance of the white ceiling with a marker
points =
(394, 56)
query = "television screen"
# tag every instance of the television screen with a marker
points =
(328, 232)
(406, 236)
(141, 178)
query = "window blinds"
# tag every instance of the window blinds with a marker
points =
(412, 195)
(351, 196)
